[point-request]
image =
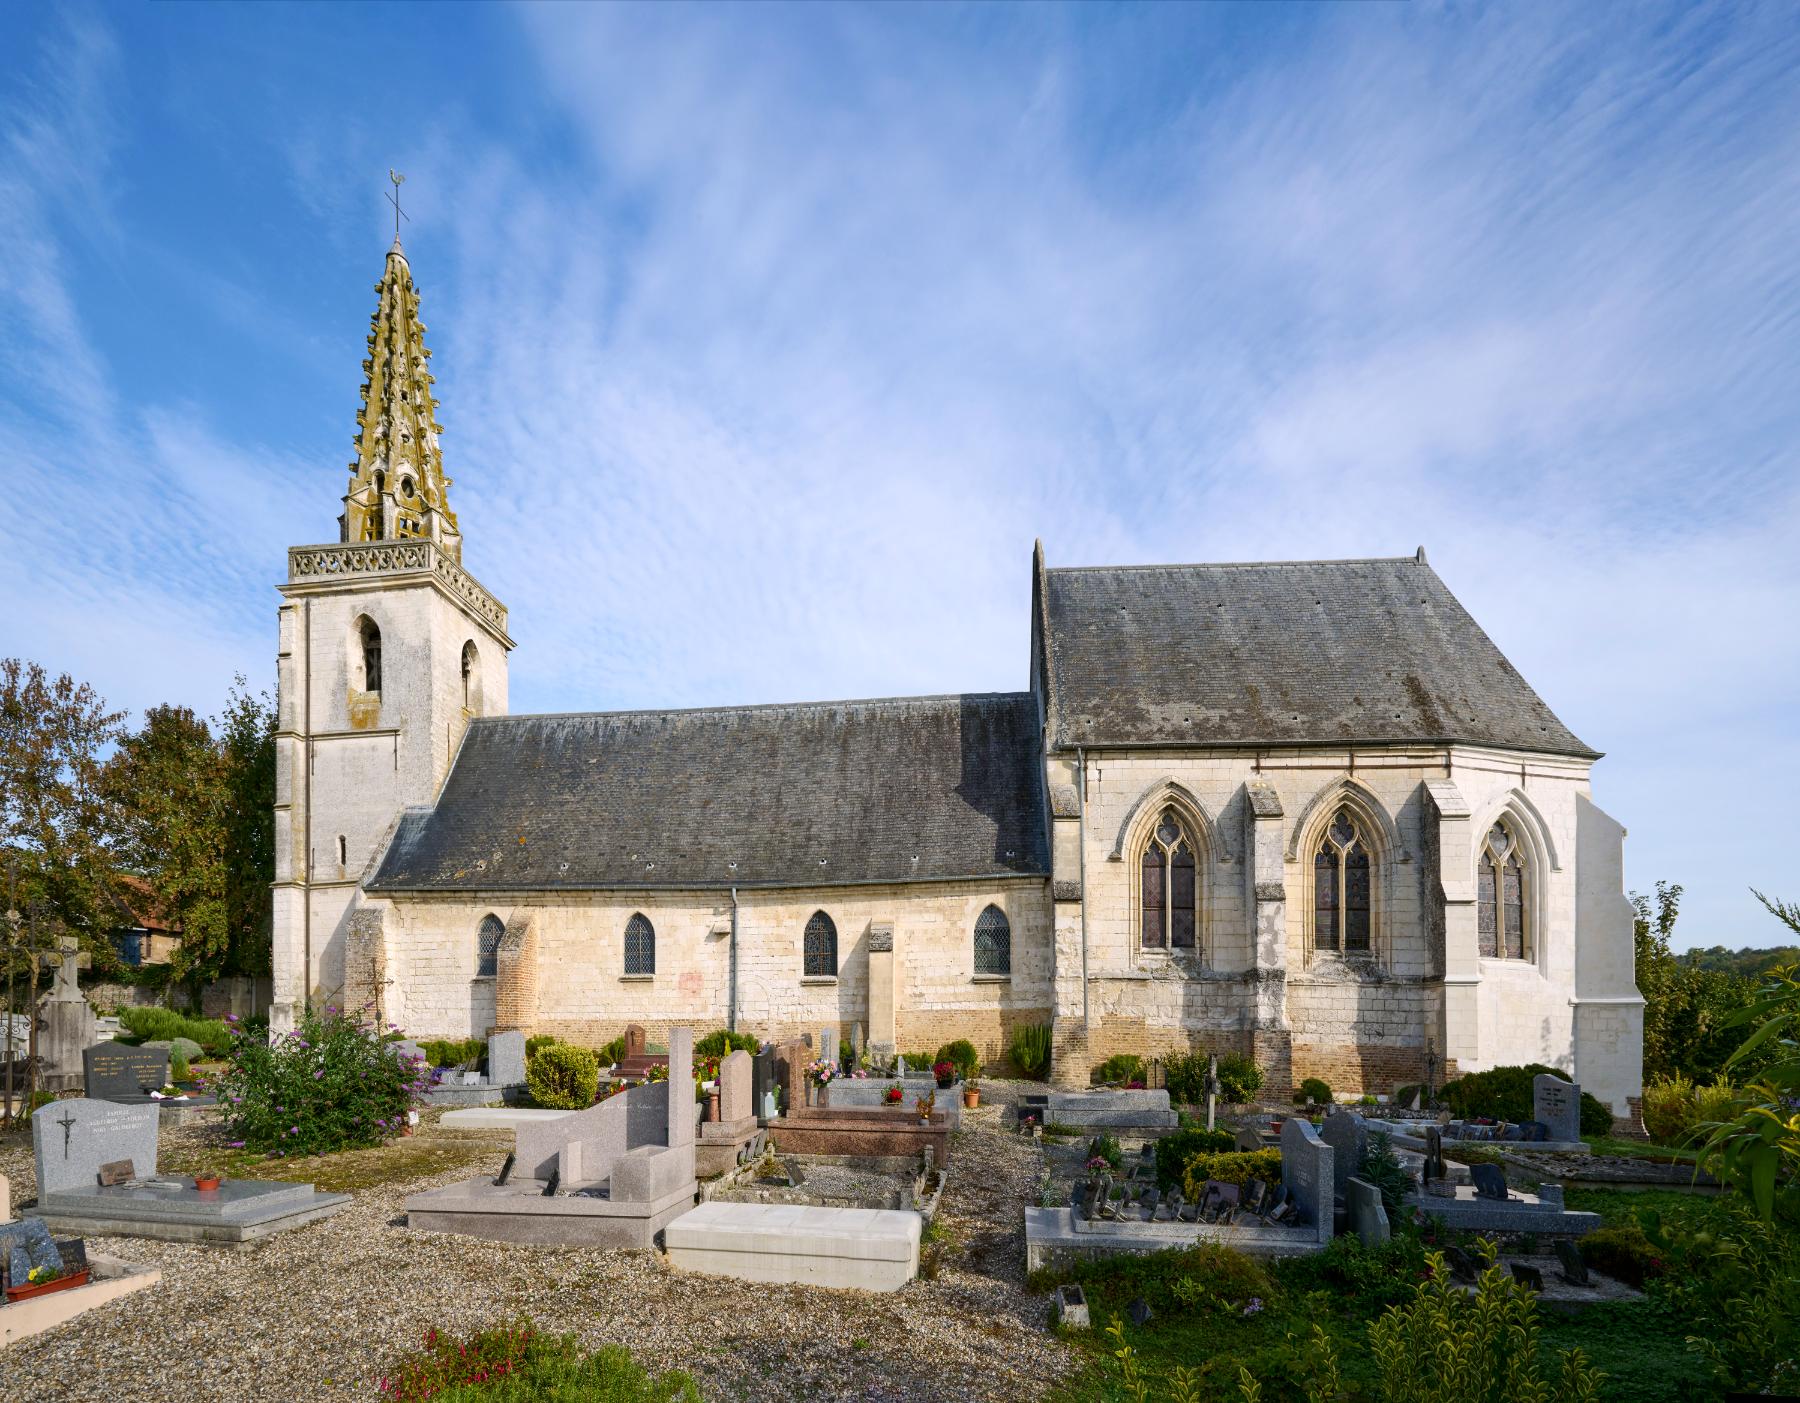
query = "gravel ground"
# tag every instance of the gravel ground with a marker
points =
(316, 1313)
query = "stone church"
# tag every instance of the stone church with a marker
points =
(1306, 811)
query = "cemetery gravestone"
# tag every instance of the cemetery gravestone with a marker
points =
(634, 1041)
(828, 1044)
(506, 1059)
(1490, 1182)
(1528, 1276)
(1348, 1135)
(1368, 1215)
(1307, 1173)
(762, 1077)
(1574, 1266)
(115, 1072)
(1557, 1104)
(70, 1140)
(1463, 1267)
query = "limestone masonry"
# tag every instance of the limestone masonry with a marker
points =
(1304, 811)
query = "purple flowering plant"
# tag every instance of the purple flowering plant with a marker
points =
(335, 1083)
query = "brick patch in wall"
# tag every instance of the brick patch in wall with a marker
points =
(1361, 1068)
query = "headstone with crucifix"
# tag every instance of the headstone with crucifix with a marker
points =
(71, 1140)
(1212, 1090)
(65, 1020)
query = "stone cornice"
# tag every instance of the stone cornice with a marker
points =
(372, 560)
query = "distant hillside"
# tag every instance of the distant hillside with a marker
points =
(1751, 963)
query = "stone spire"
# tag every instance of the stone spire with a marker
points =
(398, 490)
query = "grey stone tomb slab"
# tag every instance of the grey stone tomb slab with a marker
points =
(506, 1059)
(1368, 1215)
(70, 1140)
(1348, 1135)
(115, 1072)
(1557, 1104)
(1307, 1173)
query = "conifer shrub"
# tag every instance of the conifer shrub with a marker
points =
(1230, 1167)
(1313, 1091)
(961, 1054)
(213, 1035)
(1122, 1068)
(334, 1083)
(1029, 1049)
(563, 1077)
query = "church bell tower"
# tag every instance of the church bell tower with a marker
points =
(388, 648)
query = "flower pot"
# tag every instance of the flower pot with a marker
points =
(945, 1083)
(206, 1183)
(971, 1099)
(43, 1288)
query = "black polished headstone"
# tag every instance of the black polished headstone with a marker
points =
(1528, 1276)
(114, 1072)
(1489, 1181)
(1574, 1269)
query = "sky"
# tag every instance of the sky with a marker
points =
(768, 339)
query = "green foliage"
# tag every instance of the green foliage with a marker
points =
(1029, 1049)
(165, 1025)
(1230, 1167)
(611, 1053)
(1174, 1151)
(1313, 1091)
(1504, 1093)
(1239, 1078)
(1106, 1147)
(515, 1364)
(1623, 1252)
(1120, 1068)
(178, 1068)
(1363, 1280)
(563, 1077)
(1675, 1106)
(722, 1042)
(1186, 1075)
(440, 1052)
(962, 1053)
(331, 1084)
(1689, 1003)
(1443, 1347)
(542, 1040)
(1382, 1168)
(1180, 1281)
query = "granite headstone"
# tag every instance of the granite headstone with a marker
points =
(1367, 1214)
(1348, 1135)
(506, 1059)
(72, 1139)
(1557, 1104)
(1307, 1173)
(115, 1072)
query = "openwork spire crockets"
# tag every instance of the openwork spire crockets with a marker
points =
(398, 490)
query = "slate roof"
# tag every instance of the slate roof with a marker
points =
(1307, 653)
(817, 794)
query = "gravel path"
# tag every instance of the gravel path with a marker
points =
(316, 1313)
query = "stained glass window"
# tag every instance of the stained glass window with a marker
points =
(640, 945)
(487, 947)
(993, 942)
(821, 947)
(1500, 896)
(1342, 884)
(1168, 888)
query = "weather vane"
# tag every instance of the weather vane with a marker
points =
(394, 200)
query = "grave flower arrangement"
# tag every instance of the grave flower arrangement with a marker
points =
(945, 1072)
(822, 1072)
(333, 1083)
(895, 1094)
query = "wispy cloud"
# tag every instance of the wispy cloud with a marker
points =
(768, 340)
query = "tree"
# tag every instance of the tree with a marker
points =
(246, 733)
(53, 814)
(1689, 1008)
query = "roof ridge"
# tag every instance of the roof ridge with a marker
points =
(757, 706)
(1234, 565)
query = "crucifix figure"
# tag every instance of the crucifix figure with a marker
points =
(1430, 1070)
(394, 200)
(68, 1123)
(1212, 1089)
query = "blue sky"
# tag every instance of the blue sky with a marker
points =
(768, 339)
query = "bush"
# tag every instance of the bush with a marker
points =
(1230, 1167)
(1504, 1093)
(179, 1071)
(1622, 1252)
(1186, 1073)
(1313, 1091)
(1029, 1049)
(1673, 1108)
(562, 1077)
(440, 1052)
(1122, 1067)
(331, 1084)
(611, 1053)
(212, 1035)
(1239, 1079)
(1174, 1151)
(722, 1042)
(962, 1054)
(1382, 1168)
(542, 1040)
(515, 1364)
(1180, 1281)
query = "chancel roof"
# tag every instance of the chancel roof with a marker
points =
(1307, 653)
(818, 794)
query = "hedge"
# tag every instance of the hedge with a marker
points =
(1174, 1151)
(1231, 1167)
(165, 1025)
(563, 1077)
(1504, 1093)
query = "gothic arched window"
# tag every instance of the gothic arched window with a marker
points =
(1166, 888)
(487, 947)
(821, 947)
(1500, 896)
(471, 677)
(640, 945)
(1341, 888)
(993, 942)
(368, 655)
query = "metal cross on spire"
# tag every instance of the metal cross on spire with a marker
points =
(394, 200)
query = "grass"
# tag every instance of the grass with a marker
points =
(397, 1162)
(1640, 1149)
